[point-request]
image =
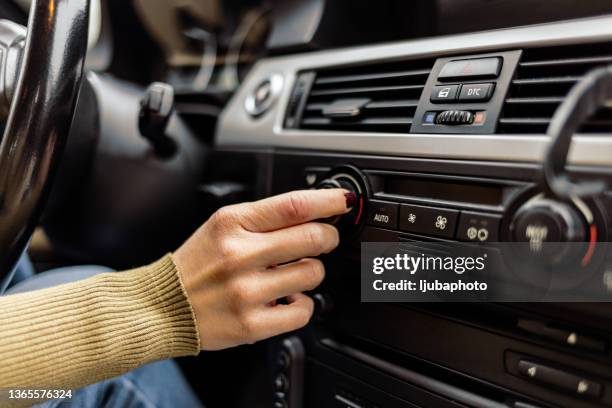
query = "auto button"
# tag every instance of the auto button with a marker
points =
(382, 214)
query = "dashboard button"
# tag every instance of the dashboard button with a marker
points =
(429, 118)
(444, 93)
(478, 227)
(261, 99)
(382, 214)
(281, 383)
(476, 92)
(471, 68)
(314, 175)
(569, 382)
(562, 335)
(428, 221)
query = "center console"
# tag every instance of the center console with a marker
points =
(472, 353)
(442, 140)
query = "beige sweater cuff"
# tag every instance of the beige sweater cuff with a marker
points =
(80, 333)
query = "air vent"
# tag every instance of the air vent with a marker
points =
(542, 81)
(376, 98)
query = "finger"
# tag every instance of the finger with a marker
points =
(297, 207)
(293, 243)
(279, 319)
(300, 276)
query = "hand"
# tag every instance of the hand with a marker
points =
(229, 267)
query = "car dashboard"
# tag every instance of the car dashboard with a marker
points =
(455, 122)
(449, 128)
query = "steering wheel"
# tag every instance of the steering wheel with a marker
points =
(40, 75)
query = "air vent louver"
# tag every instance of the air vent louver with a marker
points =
(543, 79)
(376, 98)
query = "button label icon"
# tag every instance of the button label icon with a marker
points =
(483, 234)
(474, 91)
(412, 218)
(536, 234)
(444, 92)
(532, 371)
(381, 218)
(472, 233)
(311, 179)
(467, 69)
(441, 223)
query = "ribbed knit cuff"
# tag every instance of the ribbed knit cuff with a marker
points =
(77, 334)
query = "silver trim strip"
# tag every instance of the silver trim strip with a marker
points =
(237, 128)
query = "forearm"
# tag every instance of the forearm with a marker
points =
(77, 334)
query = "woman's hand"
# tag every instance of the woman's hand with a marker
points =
(229, 267)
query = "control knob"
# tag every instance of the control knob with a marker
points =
(542, 221)
(352, 180)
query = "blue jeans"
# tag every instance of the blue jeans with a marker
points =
(156, 385)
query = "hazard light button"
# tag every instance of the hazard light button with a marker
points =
(471, 68)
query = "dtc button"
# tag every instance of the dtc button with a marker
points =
(476, 92)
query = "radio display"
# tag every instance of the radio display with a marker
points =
(445, 190)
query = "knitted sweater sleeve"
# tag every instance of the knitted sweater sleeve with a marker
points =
(76, 334)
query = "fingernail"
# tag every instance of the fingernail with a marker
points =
(351, 199)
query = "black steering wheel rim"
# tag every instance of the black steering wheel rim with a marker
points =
(42, 108)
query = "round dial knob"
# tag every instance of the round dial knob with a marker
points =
(353, 181)
(542, 221)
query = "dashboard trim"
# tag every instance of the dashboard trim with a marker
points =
(237, 128)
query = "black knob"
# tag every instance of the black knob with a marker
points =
(280, 404)
(156, 108)
(351, 219)
(283, 360)
(323, 305)
(542, 221)
(281, 383)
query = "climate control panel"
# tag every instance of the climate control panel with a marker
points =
(446, 208)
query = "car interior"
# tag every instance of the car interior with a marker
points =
(488, 115)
